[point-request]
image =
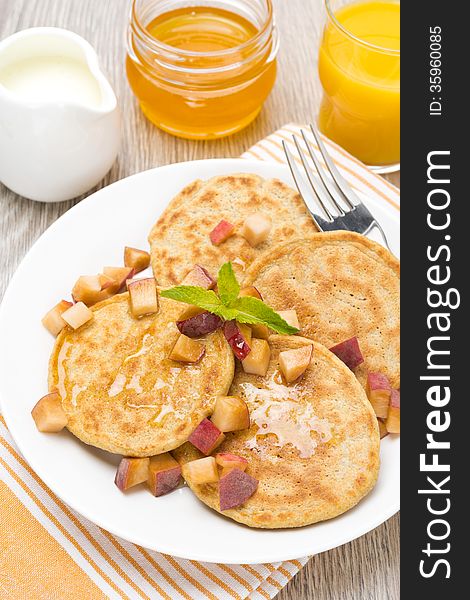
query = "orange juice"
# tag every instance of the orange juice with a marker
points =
(359, 66)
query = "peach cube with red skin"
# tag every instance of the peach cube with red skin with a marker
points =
(393, 419)
(234, 334)
(131, 472)
(53, 321)
(378, 391)
(199, 277)
(231, 461)
(187, 350)
(221, 232)
(77, 315)
(200, 324)
(235, 488)
(143, 296)
(257, 361)
(91, 289)
(349, 352)
(206, 437)
(119, 275)
(136, 259)
(164, 474)
(256, 229)
(202, 470)
(293, 363)
(49, 415)
(230, 414)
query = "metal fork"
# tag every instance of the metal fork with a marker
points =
(329, 188)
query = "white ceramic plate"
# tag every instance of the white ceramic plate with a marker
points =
(87, 237)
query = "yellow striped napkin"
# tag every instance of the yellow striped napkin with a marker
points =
(48, 551)
(355, 172)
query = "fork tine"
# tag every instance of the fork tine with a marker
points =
(302, 186)
(330, 188)
(317, 186)
(351, 198)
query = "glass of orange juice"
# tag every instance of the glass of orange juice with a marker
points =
(359, 66)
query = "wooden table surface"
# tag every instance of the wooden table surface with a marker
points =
(368, 568)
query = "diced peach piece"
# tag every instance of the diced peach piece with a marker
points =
(86, 289)
(49, 415)
(382, 429)
(231, 461)
(236, 488)
(53, 321)
(256, 229)
(203, 470)
(252, 292)
(206, 437)
(199, 277)
(237, 341)
(393, 419)
(143, 296)
(77, 315)
(136, 259)
(91, 289)
(290, 317)
(187, 350)
(221, 232)
(349, 352)
(293, 363)
(257, 361)
(130, 472)
(199, 325)
(108, 283)
(378, 390)
(119, 275)
(164, 474)
(231, 414)
(260, 331)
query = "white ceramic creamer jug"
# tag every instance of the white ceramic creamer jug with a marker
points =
(59, 119)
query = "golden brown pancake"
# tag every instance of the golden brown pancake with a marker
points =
(120, 391)
(313, 445)
(342, 285)
(180, 238)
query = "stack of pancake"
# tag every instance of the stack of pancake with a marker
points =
(313, 445)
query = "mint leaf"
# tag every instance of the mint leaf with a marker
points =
(229, 306)
(252, 311)
(227, 284)
(190, 294)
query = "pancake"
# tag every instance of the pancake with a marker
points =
(321, 455)
(180, 238)
(342, 285)
(120, 391)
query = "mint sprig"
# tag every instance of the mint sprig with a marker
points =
(227, 284)
(228, 305)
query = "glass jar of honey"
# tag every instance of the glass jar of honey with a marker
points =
(202, 70)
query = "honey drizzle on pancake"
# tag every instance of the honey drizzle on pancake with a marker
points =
(117, 386)
(76, 391)
(143, 350)
(61, 370)
(279, 412)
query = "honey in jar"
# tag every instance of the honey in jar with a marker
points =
(202, 72)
